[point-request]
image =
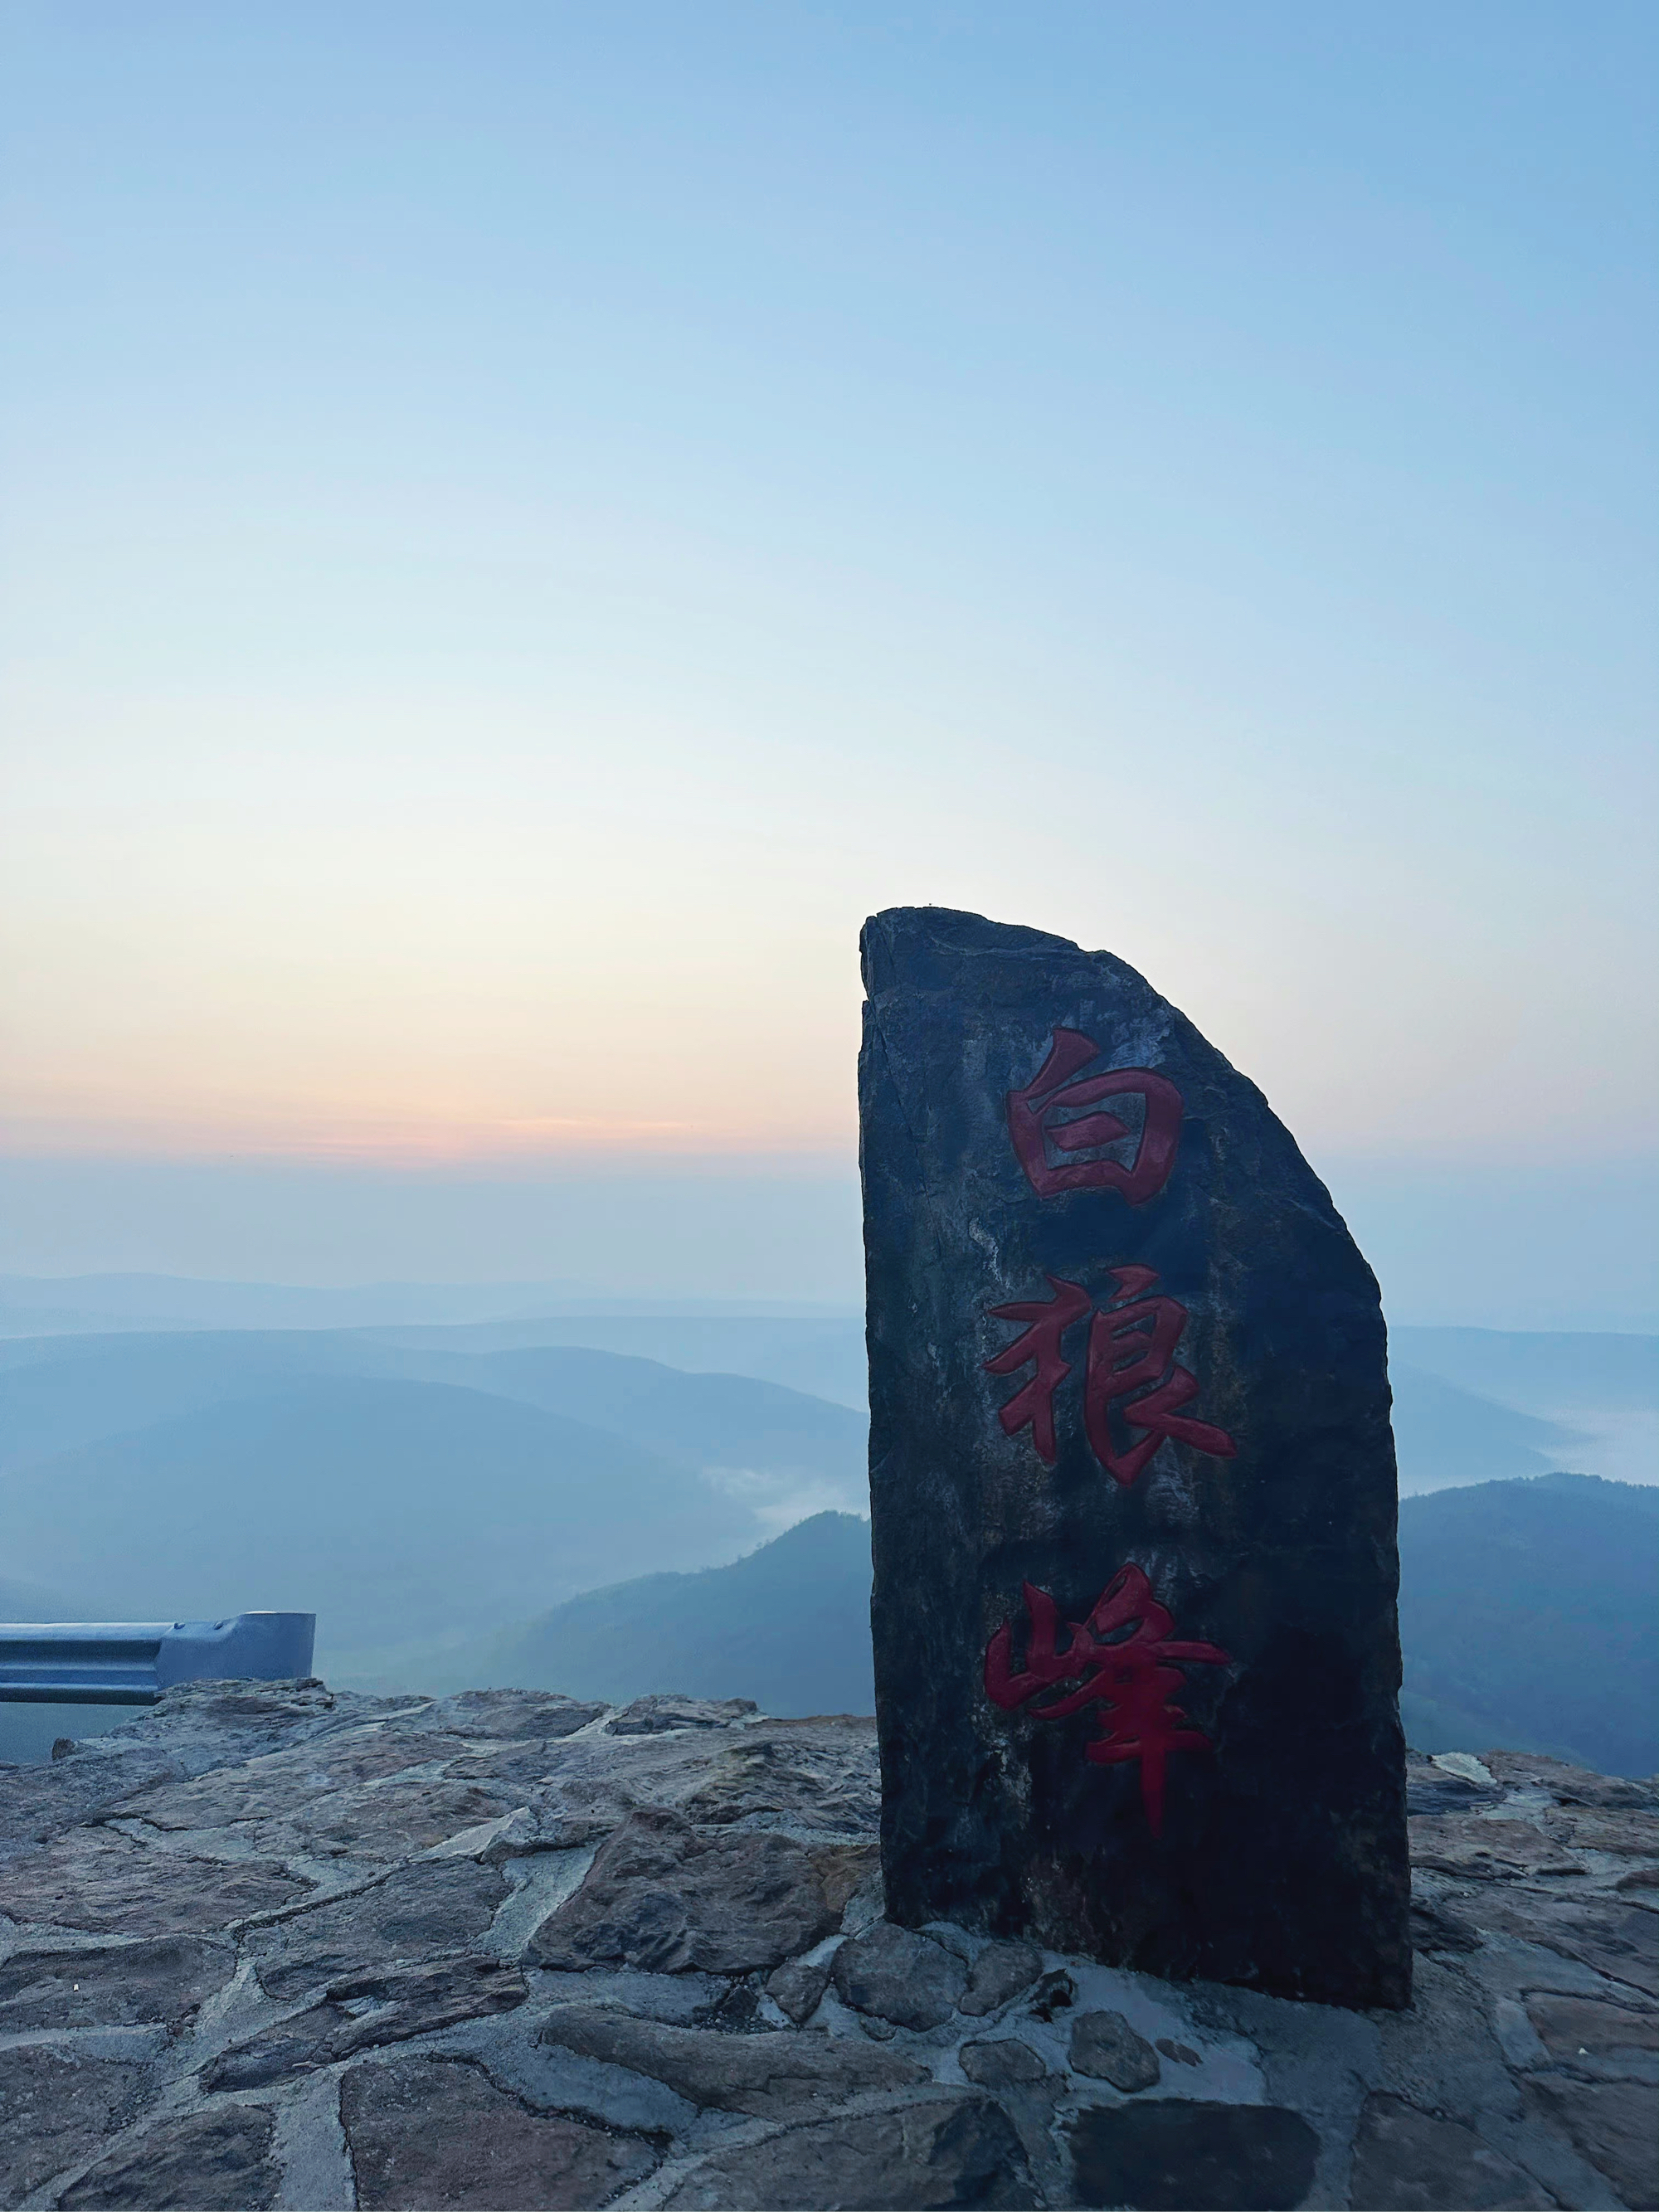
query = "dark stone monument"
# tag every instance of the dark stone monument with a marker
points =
(1132, 1483)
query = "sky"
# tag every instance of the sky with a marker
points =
(526, 523)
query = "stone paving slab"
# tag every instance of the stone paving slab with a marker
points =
(200, 2159)
(439, 2131)
(114, 1985)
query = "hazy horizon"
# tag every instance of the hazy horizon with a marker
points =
(1498, 1249)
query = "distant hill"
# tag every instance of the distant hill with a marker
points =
(1444, 1435)
(161, 1474)
(789, 1626)
(735, 1423)
(1471, 1405)
(1538, 1371)
(419, 1486)
(58, 1393)
(1529, 1615)
(816, 1350)
(392, 1510)
(822, 1357)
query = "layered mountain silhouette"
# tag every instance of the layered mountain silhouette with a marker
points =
(789, 1626)
(428, 1489)
(1528, 1610)
(1472, 1404)
(405, 1495)
(391, 1509)
(57, 1394)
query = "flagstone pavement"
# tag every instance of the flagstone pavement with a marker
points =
(272, 1945)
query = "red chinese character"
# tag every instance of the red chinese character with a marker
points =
(1035, 1125)
(1131, 1347)
(1049, 1319)
(1121, 1658)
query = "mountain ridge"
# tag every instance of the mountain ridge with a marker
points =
(1474, 1673)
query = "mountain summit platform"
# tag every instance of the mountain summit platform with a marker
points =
(272, 1945)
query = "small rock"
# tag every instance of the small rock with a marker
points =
(247, 1797)
(897, 1976)
(299, 2044)
(514, 1765)
(1167, 2155)
(513, 1715)
(62, 1747)
(847, 1871)
(655, 1715)
(198, 2164)
(1004, 2064)
(1183, 2053)
(735, 2011)
(868, 1903)
(164, 1979)
(798, 1989)
(515, 1835)
(1403, 2158)
(1435, 1928)
(956, 1940)
(250, 1712)
(521, 1833)
(1104, 2044)
(434, 1993)
(1430, 1789)
(1000, 1972)
(405, 2001)
(1464, 1764)
(1613, 2124)
(678, 1999)
(953, 2147)
(778, 2075)
(1055, 1993)
(439, 2132)
(356, 1754)
(666, 1896)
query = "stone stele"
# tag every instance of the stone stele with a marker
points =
(1132, 1485)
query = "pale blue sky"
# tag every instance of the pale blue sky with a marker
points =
(525, 523)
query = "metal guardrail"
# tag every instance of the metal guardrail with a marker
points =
(132, 1662)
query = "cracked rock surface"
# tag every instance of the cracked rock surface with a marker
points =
(269, 1945)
